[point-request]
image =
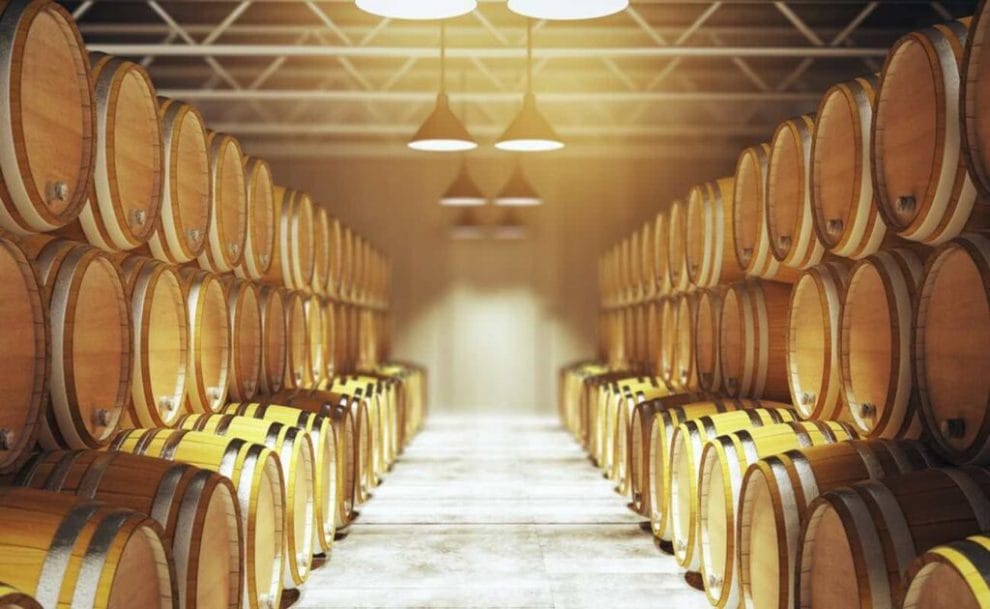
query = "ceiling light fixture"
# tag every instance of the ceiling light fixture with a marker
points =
(463, 192)
(443, 131)
(518, 192)
(563, 10)
(417, 9)
(467, 227)
(529, 131)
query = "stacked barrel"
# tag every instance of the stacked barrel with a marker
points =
(793, 381)
(197, 384)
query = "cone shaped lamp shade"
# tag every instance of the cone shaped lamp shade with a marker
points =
(443, 131)
(417, 9)
(518, 192)
(530, 131)
(467, 227)
(510, 227)
(567, 9)
(463, 191)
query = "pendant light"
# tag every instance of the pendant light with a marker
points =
(510, 227)
(417, 9)
(529, 131)
(467, 227)
(567, 9)
(463, 192)
(443, 131)
(518, 192)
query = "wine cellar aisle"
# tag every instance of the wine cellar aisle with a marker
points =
(497, 512)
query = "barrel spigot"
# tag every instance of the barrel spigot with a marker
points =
(747, 255)
(234, 249)
(194, 235)
(953, 428)
(6, 438)
(138, 217)
(101, 417)
(867, 411)
(264, 259)
(807, 398)
(784, 241)
(681, 545)
(56, 191)
(714, 581)
(167, 403)
(835, 226)
(731, 383)
(906, 205)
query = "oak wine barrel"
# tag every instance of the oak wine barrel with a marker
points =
(749, 216)
(661, 261)
(752, 340)
(329, 355)
(246, 339)
(271, 303)
(294, 254)
(677, 269)
(631, 446)
(297, 372)
(315, 339)
(321, 251)
(973, 101)
(227, 228)
(685, 377)
(710, 241)
(951, 576)
(208, 362)
(47, 137)
(668, 339)
(259, 238)
(707, 333)
(648, 261)
(335, 269)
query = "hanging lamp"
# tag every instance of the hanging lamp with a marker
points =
(510, 227)
(567, 9)
(463, 192)
(443, 131)
(467, 227)
(417, 9)
(518, 192)
(529, 131)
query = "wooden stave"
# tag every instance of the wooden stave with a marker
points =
(173, 242)
(271, 301)
(969, 114)
(224, 249)
(863, 230)
(247, 465)
(177, 497)
(259, 250)
(23, 209)
(967, 560)
(52, 573)
(896, 546)
(36, 395)
(244, 322)
(206, 391)
(793, 481)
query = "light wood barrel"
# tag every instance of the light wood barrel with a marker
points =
(845, 209)
(197, 510)
(259, 239)
(952, 329)
(859, 541)
(294, 242)
(272, 303)
(208, 362)
(71, 552)
(295, 452)
(255, 471)
(661, 264)
(774, 498)
(813, 365)
(752, 340)
(90, 369)
(924, 189)
(973, 100)
(789, 217)
(297, 373)
(653, 346)
(635, 267)
(328, 314)
(161, 343)
(11, 598)
(125, 195)
(665, 422)
(184, 220)
(951, 576)
(336, 251)
(25, 345)
(685, 376)
(321, 251)
(686, 445)
(749, 219)
(677, 268)
(227, 228)
(723, 463)
(667, 336)
(48, 132)
(246, 339)
(707, 332)
(648, 261)
(315, 339)
(710, 242)
(875, 344)
(328, 460)
(639, 454)
(631, 444)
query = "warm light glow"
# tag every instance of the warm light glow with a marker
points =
(467, 227)
(440, 145)
(417, 9)
(518, 201)
(518, 192)
(442, 131)
(567, 9)
(524, 145)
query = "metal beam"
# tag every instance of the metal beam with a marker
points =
(492, 97)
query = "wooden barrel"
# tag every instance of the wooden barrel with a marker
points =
(710, 242)
(297, 373)
(813, 366)
(11, 598)
(661, 255)
(789, 217)
(25, 345)
(639, 454)
(648, 261)
(259, 238)
(228, 228)
(185, 211)
(272, 304)
(328, 313)
(328, 460)
(924, 190)
(972, 98)
(631, 434)
(774, 498)
(49, 118)
(208, 361)
(707, 321)
(752, 340)
(67, 551)
(125, 194)
(341, 338)
(161, 343)
(635, 267)
(950, 576)
(315, 339)
(321, 251)
(952, 327)
(254, 469)
(336, 251)
(295, 452)
(875, 344)
(842, 198)
(686, 445)
(246, 339)
(724, 461)
(677, 269)
(668, 339)
(197, 510)
(859, 541)
(685, 377)
(749, 219)
(294, 241)
(90, 356)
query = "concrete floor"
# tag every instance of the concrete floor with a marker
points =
(500, 513)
